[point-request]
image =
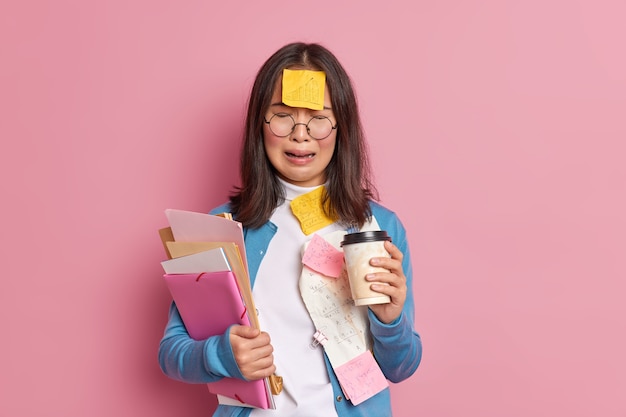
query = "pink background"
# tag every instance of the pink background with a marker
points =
(497, 131)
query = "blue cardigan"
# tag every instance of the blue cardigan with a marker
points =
(397, 347)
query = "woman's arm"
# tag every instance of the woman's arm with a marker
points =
(397, 346)
(195, 361)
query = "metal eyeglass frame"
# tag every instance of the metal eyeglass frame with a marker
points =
(308, 130)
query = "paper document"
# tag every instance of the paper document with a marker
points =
(212, 260)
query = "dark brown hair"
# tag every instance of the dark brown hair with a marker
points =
(349, 185)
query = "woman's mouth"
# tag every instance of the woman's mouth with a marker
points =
(300, 155)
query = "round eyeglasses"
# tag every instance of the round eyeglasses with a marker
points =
(283, 124)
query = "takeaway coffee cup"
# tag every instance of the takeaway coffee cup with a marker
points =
(358, 249)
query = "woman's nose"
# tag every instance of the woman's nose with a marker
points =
(300, 132)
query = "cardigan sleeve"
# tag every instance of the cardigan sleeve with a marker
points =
(195, 361)
(397, 346)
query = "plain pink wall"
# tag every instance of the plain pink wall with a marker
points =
(497, 133)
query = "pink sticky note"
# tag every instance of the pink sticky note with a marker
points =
(361, 378)
(323, 257)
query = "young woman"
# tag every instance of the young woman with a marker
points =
(293, 149)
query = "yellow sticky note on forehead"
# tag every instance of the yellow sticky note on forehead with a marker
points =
(309, 211)
(304, 88)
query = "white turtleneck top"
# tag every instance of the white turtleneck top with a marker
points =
(282, 314)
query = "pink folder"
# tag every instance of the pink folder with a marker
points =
(209, 303)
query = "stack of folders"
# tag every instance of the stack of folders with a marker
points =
(207, 275)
